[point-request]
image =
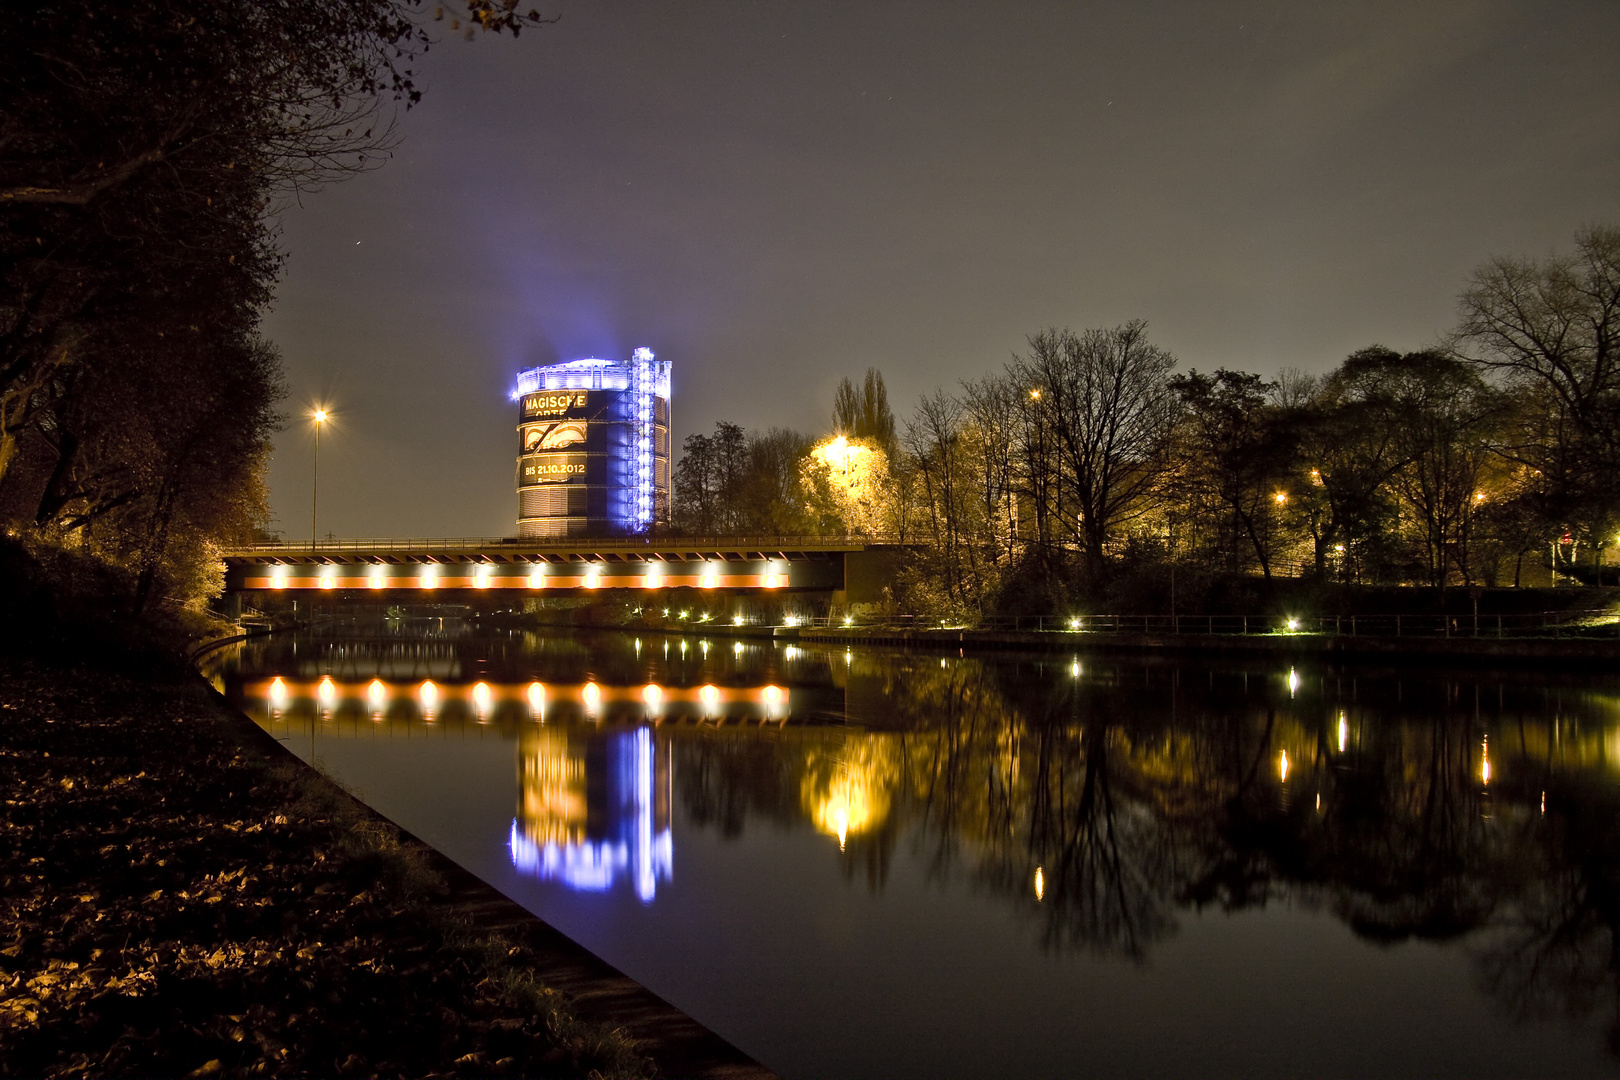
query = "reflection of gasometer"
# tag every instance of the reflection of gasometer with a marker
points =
(555, 437)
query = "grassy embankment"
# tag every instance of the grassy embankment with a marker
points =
(183, 902)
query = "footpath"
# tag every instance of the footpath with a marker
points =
(185, 898)
(1385, 649)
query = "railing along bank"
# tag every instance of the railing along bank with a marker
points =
(1584, 624)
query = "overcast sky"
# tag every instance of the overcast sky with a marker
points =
(775, 195)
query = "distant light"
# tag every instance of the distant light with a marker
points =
(773, 694)
(653, 580)
(326, 691)
(1344, 732)
(1281, 497)
(1292, 623)
(591, 579)
(1040, 885)
(537, 698)
(593, 696)
(374, 577)
(319, 416)
(1293, 682)
(1485, 760)
(429, 579)
(429, 696)
(1282, 766)
(278, 690)
(652, 694)
(710, 696)
(849, 620)
(1074, 669)
(1074, 623)
(790, 620)
(737, 620)
(537, 577)
(481, 577)
(481, 697)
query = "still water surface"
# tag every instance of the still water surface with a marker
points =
(876, 864)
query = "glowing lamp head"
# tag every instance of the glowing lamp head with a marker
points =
(319, 416)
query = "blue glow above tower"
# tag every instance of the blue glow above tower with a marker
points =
(593, 453)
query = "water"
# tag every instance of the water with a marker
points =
(873, 864)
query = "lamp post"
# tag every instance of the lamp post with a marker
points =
(319, 416)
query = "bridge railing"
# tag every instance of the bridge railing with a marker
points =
(363, 545)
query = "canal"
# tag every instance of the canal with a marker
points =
(870, 863)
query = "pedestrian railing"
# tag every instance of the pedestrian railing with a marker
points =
(1573, 624)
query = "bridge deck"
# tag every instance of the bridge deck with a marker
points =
(704, 562)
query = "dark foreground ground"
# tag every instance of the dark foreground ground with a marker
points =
(180, 898)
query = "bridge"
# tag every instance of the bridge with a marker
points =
(423, 568)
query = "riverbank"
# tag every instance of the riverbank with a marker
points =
(1483, 650)
(186, 899)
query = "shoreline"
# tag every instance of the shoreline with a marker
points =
(1481, 650)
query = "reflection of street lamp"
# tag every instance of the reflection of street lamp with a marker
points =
(319, 416)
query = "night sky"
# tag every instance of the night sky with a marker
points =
(775, 195)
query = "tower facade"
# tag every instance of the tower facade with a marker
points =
(593, 447)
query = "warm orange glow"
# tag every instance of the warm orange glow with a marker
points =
(1485, 761)
(278, 690)
(772, 694)
(326, 691)
(429, 695)
(376, 580)
(481, 696)
(849, 795)
(710, 696)
(1281, 497)
(1282, 766)
(429, 579)
(481, 577)
(592, 696)
(652, 694)
(1040, 884)
(378, 693)
(537, 697)
(319, 416)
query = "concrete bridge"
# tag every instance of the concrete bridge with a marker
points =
(420, 569)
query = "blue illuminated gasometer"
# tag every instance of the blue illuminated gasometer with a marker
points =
(593, 455)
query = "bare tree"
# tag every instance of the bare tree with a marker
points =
(1105, 398)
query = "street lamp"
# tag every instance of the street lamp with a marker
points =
(319, 416)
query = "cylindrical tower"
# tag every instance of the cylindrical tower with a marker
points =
(593, 447)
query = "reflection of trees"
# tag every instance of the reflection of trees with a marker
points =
(1134, 795)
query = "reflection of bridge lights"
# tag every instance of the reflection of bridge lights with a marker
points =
(481, 698)
(653, 695)
(1485, 760)
(703, 647)
(849, 657)
(1344, 732)
(710, 696)
(790, 653)
(592, 696)
(374, 577)
(736, 648)
(378, 695)
(1074, 669)
(428, 694)
(1282, 766)
(537, 700)
(326, 691)
(429, 579)
(278, 692)
(1293, 682)
(537, 577)
(1040, 884)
